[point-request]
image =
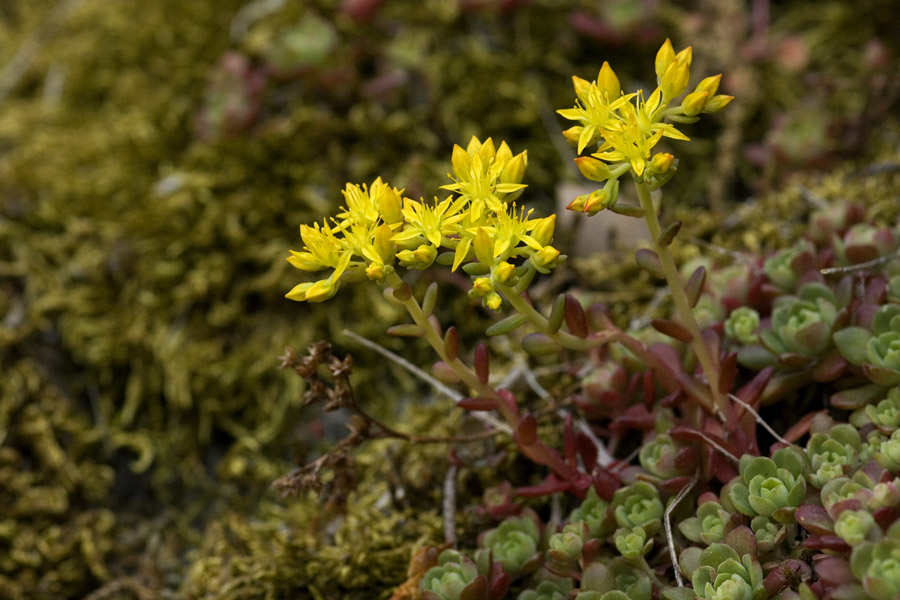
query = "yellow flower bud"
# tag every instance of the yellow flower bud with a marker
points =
(582, 88)
(493, 301)
(487, 151)
(593, 169)
(685, 56)
(425, 255)
(383, 244)
(709, 84)
(693, 103)
(298, 292)
(573, 133)
(484, 246)
(661, 163)
(482, 286)
(717, 103)
(547, 257)
(664, 58)
(503, 153)
(305, 261)
(504, 272)
(578, 203)
(514, 169)
(608, 82)
(321, 291)
(461, 161)
(674, 81)
(596, 201)
(391, 206)
(543, 230)
(375, 272)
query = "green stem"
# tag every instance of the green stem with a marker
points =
(462, 371)
(707, 361)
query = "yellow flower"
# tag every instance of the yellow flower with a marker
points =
(429, 222)
(367, 205)
(485, 177)
(322, 249)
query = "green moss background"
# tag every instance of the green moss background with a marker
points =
(156, 160)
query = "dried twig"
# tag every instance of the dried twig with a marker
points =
(759, 419)
(668, 523)
(449, 505)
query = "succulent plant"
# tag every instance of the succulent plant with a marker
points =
(830, 453)
(454, 578)
(771, 487)
(864, 242)
(785, 266)
(632, 543)
(724, 575)
(514, 544)
(886, 413)
(638, 505)
(888, 453)
(596, 512)
(709, 526)
(877, 565)
(854, 526)
(769, 533)
(618, 580)
(549, 587)
(801, 324)
(658, 457)
(877, 351)
(742, 324)
(565, 546)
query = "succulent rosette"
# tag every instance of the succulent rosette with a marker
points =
(801, 324)
(877, 565)
(785, 266)
(709, 526)
(550, 587)
(638, 505)
(632, 543)
(878, 350)
(658, 457)
(596, 512)
(454, 578)
(833, 452)
(886, 414)
(888, 453)
(742, 324)
(618, 580)
(771, 487)
(565, 546)
(514, 544)
(724, 575)
(854, 526)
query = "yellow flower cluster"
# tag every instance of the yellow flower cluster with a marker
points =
(627, 127)
(478, 224)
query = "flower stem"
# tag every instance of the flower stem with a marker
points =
(708, 363)
(465, 374)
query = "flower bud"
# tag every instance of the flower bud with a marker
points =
(298, 292)
(493, 301)
(576, 205)
(717, 103)
(321, 291)
(608, 82)
(664, 57)
(592, 168)
(375, 271)
(383, 244)
(504, 272)
(674, 81)
(484, 246)
(693, 103)
(461, 161)
(546, 258)
(420, 258)
(391, 206)
(709, 84)
(503, 153)
(573, 133)
(596, 201)
(582, 88)
(661, 163)
(482, 286)
(543, 230)
(514, 169)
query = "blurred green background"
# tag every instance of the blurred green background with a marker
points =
(156, 160)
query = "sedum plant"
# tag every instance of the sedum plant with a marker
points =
(692, 453)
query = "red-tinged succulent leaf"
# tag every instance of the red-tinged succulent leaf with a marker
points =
(694, 285)
(855, 398)
(436, 323)
(860, 253)
(801, 427)
(576, 320)
(477, 590)
(829, 367)
(814, 519)
(876, 291)
(590, 549)
(775, 581)
(826, 542)
(586, 450)
(728, 372)
(672, 399)
(881, 375)
(510, 399)
(444, 373)
(834, 571)
(694, 389)
(742, 539)
(482, 362)
(802, 263)
(477, 404)
(648, 388)
(527, 430)
(673, 329)
(685, 458)
(668, 234)
(674, 485)
(605, 484)
(886, 516)
(753, 390)
(499, 582)
(649, 261)
(797, 361)
(599, 317)
(451, 343)
(550, 485)
(634, 417)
